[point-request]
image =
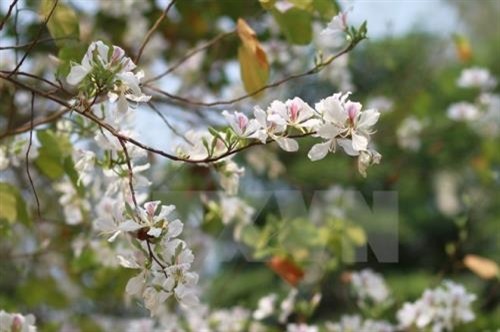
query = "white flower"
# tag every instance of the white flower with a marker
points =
(265, 307)
(476, 77)
(109, 217)
(441, 309)
(345, 124)
(272, 125)
(463, 111)
(354, 323)
(15, 322)
(369, 286)
(337, 24)
(153, 299)
(301, 327)
(230, 174)
(294, 112)
(241, 125)
(408, 133)
(146, 218)
(125, 84)
(288, 305)
(127, 88)
(84, 164)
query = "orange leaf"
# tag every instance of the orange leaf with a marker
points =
(254, 66)
(286, 269)
(483, 267)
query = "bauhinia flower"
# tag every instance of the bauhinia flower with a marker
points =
(337, 24)
(369, 287)
(272, 126)
(295, 113)
(440, 309)
(105, 69)
(15, 322)
(345, 124)
(476, 77)
(153, 224)
(463, 111)
(241, 125)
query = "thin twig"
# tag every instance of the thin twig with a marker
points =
(311, 71)
(35, 123)
(35, 41)
(189, 54)
(12, 5)
(40, 41)
(27, 158)
(153, 257)
(152, 30)
(168, 124)
(130, 172)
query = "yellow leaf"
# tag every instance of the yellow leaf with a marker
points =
(254, 66)
(483, 267)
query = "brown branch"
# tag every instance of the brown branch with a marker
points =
(35, 123)
(43, 40)
(27, 158)
(35, 41)
(152, 30)
(9, 12)
(311, 71)
(189, 54)
(120, 136)
(153, 257)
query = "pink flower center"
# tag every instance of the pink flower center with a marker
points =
(242, 121)
(352, 112)
(294, 111)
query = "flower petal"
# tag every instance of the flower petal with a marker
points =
(287, 144)
(319, 151)
(77, 74)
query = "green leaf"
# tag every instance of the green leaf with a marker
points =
(71, 52)
(49, 166)
(326, 8)
(8, 206)
(302, 4)
(52, 153)
(12, 205)
(295, 24)
(63, 22)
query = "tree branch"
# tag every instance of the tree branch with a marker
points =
(311, 71)
(152, 30)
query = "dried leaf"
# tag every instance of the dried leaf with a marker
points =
(483, 267)
(286, 269)
(254, 66)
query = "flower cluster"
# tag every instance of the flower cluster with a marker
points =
(108, 70)
(14, 322)
(483, 115)
(336, 120)
(369, 287)
(165, 262)
(441, 309)
(355, 323)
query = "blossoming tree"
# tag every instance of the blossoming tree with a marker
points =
(105, 102)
